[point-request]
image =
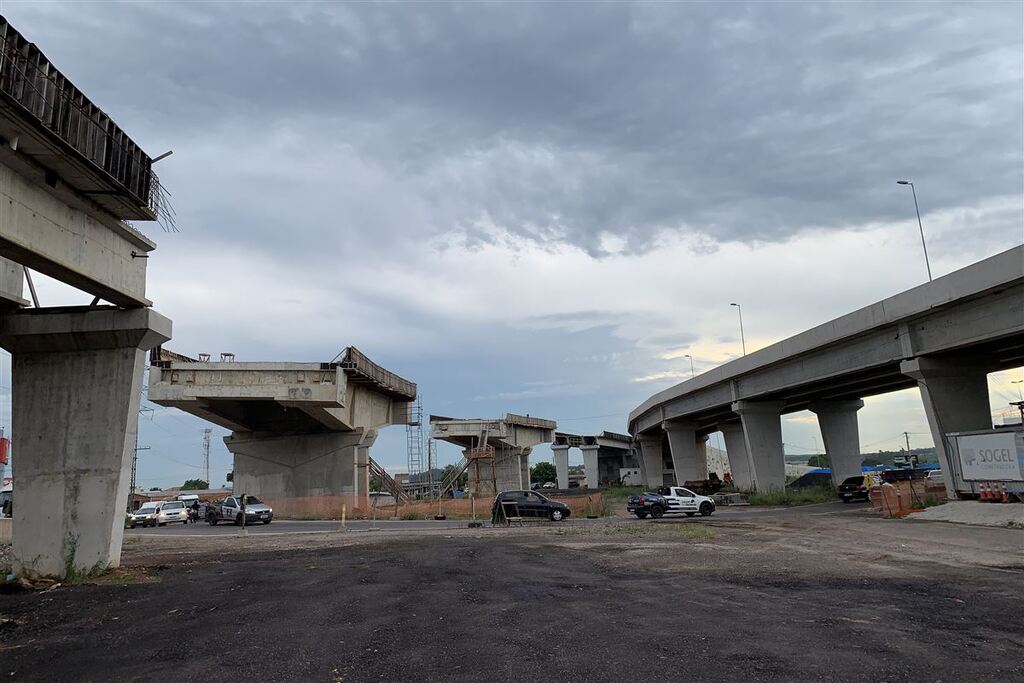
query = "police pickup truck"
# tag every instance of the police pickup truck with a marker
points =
(230, 510)
(670, 500)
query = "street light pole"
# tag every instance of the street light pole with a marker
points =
(743, 340)
(692, 374)
(920, 227)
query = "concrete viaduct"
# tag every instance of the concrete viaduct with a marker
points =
(299, 431)
(70, 178)
(943, 337)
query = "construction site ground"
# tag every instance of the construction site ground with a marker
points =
(825, 592)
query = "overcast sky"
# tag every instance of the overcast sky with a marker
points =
(541, 208)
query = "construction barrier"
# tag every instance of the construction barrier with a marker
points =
(902, 497)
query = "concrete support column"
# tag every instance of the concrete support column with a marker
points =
(955, 397)
(736, 449)
(277, 467)
(762, 432)
(651, 459)
(590, 467)
(561, 454)
(524, 469)
(838, 423)
(77, 378)
(362, 470)
(702, 457)
(682, 443)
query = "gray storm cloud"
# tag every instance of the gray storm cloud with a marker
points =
(378, 125)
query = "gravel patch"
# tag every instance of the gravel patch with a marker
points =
(976, 513)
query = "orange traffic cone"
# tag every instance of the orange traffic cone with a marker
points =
(1006, 494)
(984, 491)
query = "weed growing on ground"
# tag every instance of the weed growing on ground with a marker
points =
(619, 494)
(790, 497)
(411, 514)
(688, 532)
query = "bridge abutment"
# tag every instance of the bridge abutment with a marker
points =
(955, 397)
(841, 435)
(762, 432)
(77, 380)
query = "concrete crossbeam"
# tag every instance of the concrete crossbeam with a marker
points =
(55, 233)
(12, 284)
(841, 436)
(77, 379)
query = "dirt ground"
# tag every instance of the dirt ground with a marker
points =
(814, 594)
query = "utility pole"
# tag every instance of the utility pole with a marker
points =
(206, 455)
(910, 456)
(135, 457)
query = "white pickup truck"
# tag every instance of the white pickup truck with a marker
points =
(670, 500)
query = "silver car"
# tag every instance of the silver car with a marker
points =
(172, 511)
(147, 515)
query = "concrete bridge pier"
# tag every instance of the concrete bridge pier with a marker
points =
(651, 460)
(955, 397)
(702, 456)
(762, 432)
(281, 466)
(77, 380)
(688, 450)
(590, 465)
(736, 449)
(561, 453)
(841, 435)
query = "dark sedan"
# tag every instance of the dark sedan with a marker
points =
(529, 504)
(855, 488)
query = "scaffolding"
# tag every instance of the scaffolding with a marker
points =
(414, 440)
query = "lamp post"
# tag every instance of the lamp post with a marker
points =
(743, 341)
(924, 246)
(692, 374)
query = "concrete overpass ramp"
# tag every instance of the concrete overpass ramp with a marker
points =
(298, 430)
(495, 452)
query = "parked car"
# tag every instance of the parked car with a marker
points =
(647, 504)
(230, 510)
(147, 515)
(171, 512)
(670, 500)
(530, 504)
(934, 477)
(550, 485)
(855, 488)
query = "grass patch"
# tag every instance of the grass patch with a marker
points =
(928, 502)
(686, 532)
(411, 514)
(614, 495)
(791, 497)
